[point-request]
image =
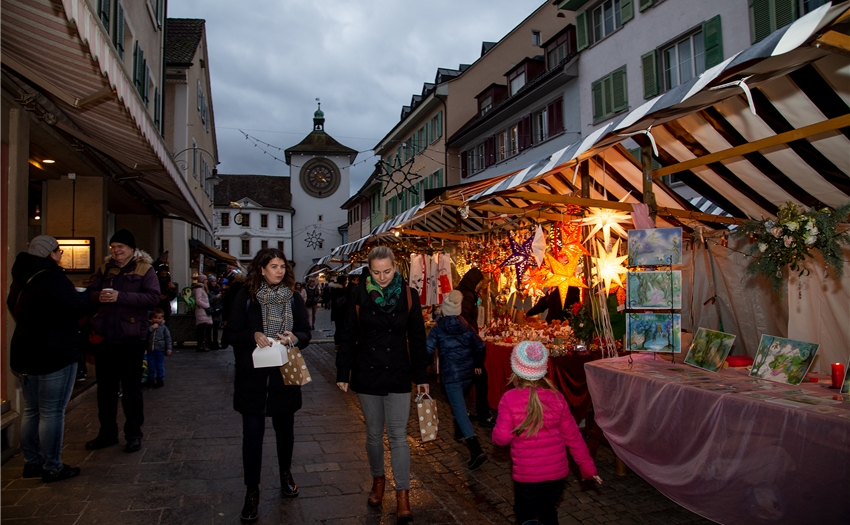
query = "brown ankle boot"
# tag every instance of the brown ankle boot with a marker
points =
(402, 498)
(376, 496)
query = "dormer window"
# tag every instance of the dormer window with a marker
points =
(517, 81)
(485, 104)
(527, 70)
(491, 97)
(561, 46)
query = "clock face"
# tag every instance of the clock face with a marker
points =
(238, 219)
(320, 177)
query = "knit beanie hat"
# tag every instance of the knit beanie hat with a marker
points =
(124, 236)
(528, 360)
(202, 278)
(451, 304)
(42, 245)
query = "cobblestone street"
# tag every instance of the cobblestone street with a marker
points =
(189, 470)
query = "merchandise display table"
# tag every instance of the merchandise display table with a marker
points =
(567, 372)
(726, 446)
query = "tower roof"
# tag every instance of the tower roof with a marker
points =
(320, 143)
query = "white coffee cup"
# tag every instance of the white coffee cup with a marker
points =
(80, 289)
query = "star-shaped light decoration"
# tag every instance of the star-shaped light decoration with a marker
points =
(606, 220)
(533, 283)
(538, 246)
(314, 239)
(609, 265)
(563, 275)
(520, 257)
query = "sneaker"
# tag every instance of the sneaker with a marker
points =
(81, 376)
(66, 472)
(32, 471)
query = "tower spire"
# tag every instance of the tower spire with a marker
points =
(319, 118)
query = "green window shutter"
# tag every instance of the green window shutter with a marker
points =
(644, 4)
(627, 10)
(596, 91)
(439, 124)
(649, 64)
(607, 96)
(785, 12)
(156, 107)
(146, 82)
(760, 19)
(619, 90)
(103, 12)
(118, 35)
(581, 31)
(712, 42)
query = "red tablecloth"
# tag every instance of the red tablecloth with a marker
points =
(567, 372)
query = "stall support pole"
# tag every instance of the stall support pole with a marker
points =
(584, 171)
(648, 193)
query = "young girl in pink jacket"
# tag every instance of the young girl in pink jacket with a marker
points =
(535, 420)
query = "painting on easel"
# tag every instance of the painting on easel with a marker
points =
(655, 247)
(654, 332)
(709, 349)
(783, 360)
(654, 290)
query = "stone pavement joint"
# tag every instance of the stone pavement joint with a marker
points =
(189, 470)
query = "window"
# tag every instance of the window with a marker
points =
(436, 125)
(597, 23)
(517, 82)
(609, 95)
(225, 218)
(437, 179)
(766, 16)
(246, 220)
(682, 60)
(485, 105)
(321, 217)
(280, 245)
(156, 9)
(264, 245)
(156, 109)
(103, 12)
(264, 220)
(503, 145)
(535, 38)
(513, 140)
(555, 117)
(280, 222)
(118, 34)
(225, 245)
(141, 73)
(200, 96)
(539, 128)
(246, 246)
(194, 159)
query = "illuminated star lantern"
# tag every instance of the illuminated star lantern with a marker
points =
(606, 220)
(314, 239)
(520, 257)
(563, 275)
(609, 265)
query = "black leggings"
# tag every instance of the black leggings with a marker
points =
(253, 428)
(538, 501)
(203, 334)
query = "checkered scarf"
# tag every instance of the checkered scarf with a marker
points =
(276, 306)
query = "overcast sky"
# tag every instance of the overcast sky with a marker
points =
(271, 59)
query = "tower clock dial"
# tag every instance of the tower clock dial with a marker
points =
(320, 177)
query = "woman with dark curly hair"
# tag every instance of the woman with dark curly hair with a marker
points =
(265, 309)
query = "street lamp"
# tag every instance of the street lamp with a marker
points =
(215, 179)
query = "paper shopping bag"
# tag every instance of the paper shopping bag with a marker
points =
(426, 409)
(295, 370)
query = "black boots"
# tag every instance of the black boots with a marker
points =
(288, 488)
(476, 455)
(66, 472)
(252, 503)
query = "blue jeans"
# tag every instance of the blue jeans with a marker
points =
(43, 422)
(454, 391)
(394, 410)
(156, 365)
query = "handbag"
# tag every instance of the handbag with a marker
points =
(429, 422)
(295, 371)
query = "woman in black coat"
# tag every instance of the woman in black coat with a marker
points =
(382, 324)
(266, 308)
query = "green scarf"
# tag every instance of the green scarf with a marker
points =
(387, 298)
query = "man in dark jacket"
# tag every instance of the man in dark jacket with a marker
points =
(469, 286)
(44, 351)
(125, 288)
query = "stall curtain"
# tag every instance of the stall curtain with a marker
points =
(431, 277)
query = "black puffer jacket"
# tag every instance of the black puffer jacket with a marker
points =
(46, 337)
(261, 391)
(461, 350)
(373, 355)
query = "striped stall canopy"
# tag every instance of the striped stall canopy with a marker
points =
(397, 221)
(61, 48)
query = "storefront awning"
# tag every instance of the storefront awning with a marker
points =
(219, 255)
(67, 54)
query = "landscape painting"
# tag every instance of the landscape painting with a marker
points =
(654, 290)
(709, 349)
(783, 360)
(655, 247)
(654, 332)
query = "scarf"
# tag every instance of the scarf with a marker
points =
(276, 305)
(387, 298)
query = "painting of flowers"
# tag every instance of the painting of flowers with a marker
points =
(654, 332)
(655, 247)
(783, 360)
(654, 290)
(709, 349)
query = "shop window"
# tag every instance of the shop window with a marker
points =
(597, 23)
(610, 95)
(225, 245)
(280, 222)
(264, 220)
(246, 246)
(225, 218)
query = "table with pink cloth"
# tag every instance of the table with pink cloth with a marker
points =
(726, 446)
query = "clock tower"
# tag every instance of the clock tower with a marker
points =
(319, 181)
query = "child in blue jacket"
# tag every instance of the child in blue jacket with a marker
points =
(461, 357)
(159, 346)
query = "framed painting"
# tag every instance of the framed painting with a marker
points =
(654, 332)
(655, 247)
(783, 360)
(655, 290)
(709, 349)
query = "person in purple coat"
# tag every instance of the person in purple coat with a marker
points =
(124, 289)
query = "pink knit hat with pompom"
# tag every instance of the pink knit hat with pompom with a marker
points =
(529, 359)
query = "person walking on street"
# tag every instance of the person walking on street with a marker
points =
(159, 346)
(203, 321)
(338, 299)
(383, 345)
(313, 297)
(266, 309)
(461, 358)
(216, 310)
(299, 289)
(125, 288)
(237, 281)
(44, 351)
(470, 286)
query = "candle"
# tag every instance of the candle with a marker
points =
(837, 375)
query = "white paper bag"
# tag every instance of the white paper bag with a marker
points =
(274, 355)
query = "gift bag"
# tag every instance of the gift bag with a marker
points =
(426, 408)
(295, 371)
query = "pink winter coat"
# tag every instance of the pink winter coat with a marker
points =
(202, 301)
(542, 457)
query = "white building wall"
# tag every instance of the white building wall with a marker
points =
(309, 208)
(648, 30)
(257, 234)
